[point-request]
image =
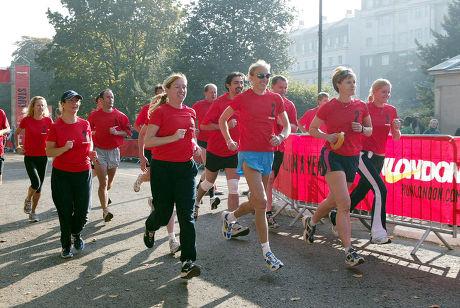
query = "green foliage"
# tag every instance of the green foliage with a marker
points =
(222, 36)
(304, 97)
(117, 44)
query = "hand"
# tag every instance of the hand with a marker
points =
(396, 124)
(232, 145)
(356, 127)
(21, 151)
(197, 151)
(113, 130)
(276, 140)
(93, 156)
(232, 123)
(143, 163)
(332, 138)
(69, 144)
(180, 133)
(197, 131)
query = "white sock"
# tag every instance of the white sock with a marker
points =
(347, 248)
(172, 236)
(312, 223)
(231, 217)
(265, 248)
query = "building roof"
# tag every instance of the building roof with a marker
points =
(451, 65)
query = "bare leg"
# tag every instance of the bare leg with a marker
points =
(170, 226)
(233, 199)
(210, 177)
(35, 199)
(101, 172)
(270, 191)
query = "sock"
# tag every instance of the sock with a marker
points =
(347, 248)
(312, 223)
(265, 248)
(231, 217)
(172, 236)
(269, 213)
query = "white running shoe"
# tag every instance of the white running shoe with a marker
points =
(33, 217)
(174, 246)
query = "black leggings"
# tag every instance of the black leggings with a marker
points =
(71, 193)
(36, 169)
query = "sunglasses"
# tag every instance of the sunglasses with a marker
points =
(345, 72)
(262, 76)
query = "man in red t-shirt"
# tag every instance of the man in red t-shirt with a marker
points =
(201, 108)
(4, 131)
(279, 85)
(305, 120)
(111, 127)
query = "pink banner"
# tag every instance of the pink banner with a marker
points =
(22, 91)
(421, 176)
(4, 76)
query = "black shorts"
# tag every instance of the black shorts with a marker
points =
(215, 162)
(202, 143)
(331, 161)
(148, 155)
(1, 164)
(277, 161)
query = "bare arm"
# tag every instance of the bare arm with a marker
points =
(367, 126)
(395, 129)
(52, 151)
(302, 129)
(151, 140)
(223, 124)
(5, 131)
(317, 133)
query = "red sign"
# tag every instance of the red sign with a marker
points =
(4, 76)
(421, 176)
(22, 91)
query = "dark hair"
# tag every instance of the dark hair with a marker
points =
(278, 78)
(340, 74)
(229, 78)
(101, 95)
(407, 121)
(157, 87)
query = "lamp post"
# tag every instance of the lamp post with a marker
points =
(320, 45)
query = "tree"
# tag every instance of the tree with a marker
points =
(446, 45)
(222, 36)
(117, 44)
(304, 97)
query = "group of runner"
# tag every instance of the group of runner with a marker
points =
(238, 132)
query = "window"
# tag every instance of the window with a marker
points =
(306, 65)
(368, 61)
(403, 17)
(330, 61)
(369, 42)
(314, 64)
(339, 60)
(368, 24)
(385, 59)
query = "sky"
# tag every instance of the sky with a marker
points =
(28, 18)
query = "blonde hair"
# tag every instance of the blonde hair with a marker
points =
(259, 63)
(340, 74)
(377, 85)
(162, 98)
(30, 109)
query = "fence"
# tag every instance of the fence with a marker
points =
(421, 173)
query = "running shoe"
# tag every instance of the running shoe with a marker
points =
(77, 242)
(309, 232)
(381, 240)
(66, 253)
(272, 224)
(227, 226)
(352, 258)
(27, 206)
(214, 202)
(150, 203)
(174, 245)
(272, 262)
(189, 270)
(239, 230)
(109, 201)
(245, 193)
(138, 183)
(107, 216)
(33, 217)
(149, 238)
(332, 218)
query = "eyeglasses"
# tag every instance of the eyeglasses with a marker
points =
(262, 76)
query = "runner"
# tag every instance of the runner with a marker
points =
(258, 109)
(69, 142)
(279, 85)
(201, 108)
(4, 131)
(305, 120)
(218, 155)
(36, 124)
(384, 117)
(340, 163)
(111, 126)
(98, 101)
(170, 133)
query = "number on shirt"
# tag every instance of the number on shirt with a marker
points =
(273, 110)
(44, 129)
(116, 122)
(357, 115)
(84, 136)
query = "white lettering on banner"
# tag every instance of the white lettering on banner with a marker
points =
(422, 170)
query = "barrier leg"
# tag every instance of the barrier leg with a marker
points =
(427, 231)
(298, 216)
(280, 209)
(443, 240)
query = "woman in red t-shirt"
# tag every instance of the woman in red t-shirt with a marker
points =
(350, 118)
(170, 135)
(258, 109)
(36, 124)
(69, 142)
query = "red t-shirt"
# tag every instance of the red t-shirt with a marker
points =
(36, 135)
(338, 117)
(258, 115)
(101, 122)
(201, 108)
(169, 120)
(142, 117)
(381, 124)
(3, 124)
(292, 116)
(216, 141)
(308, 117)
(76, 159)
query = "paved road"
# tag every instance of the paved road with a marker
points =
(116, 269)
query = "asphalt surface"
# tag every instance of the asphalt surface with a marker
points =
(116, 269)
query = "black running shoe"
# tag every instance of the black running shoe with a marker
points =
(109, 201)
(190, 270)
(214, 202)
(149, 238)
(78, 243)
(309, 232)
